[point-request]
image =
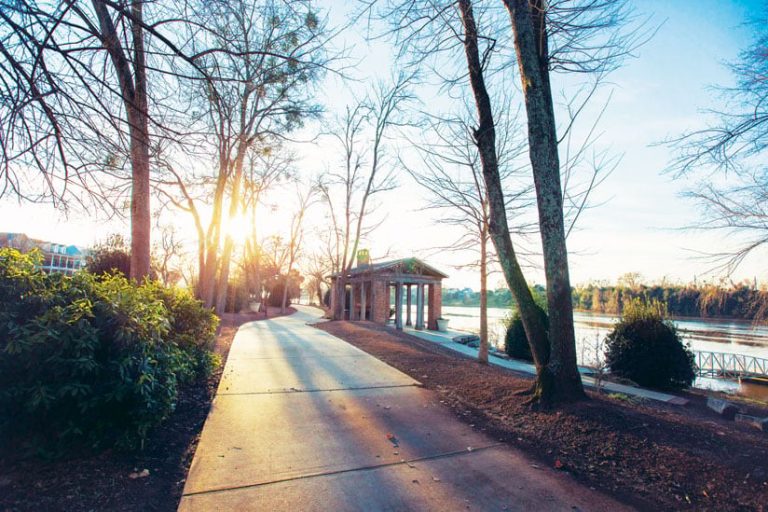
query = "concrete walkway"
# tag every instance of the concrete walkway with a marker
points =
(305, 421)
(445, 339)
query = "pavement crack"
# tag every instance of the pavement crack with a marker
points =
(408, 462)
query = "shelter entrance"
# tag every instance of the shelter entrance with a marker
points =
(409, 286)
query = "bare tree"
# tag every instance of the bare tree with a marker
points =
(559, 379)
(317, 269)
(265, 170)
(277, 52)
(585, 41)
(581, 37)
(89, 88)
(450, 170)
(61, 64)
(727, 156)
(485, 139)
(262, 98)
(295, 242)
(168, 253)
(364, 174)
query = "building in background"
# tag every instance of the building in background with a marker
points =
(64, 259)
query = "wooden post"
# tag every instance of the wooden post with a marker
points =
(352, 314)
(399, 306)
(420, 307)
(408, 305)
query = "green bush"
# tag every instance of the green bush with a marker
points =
(646, 348)
(516, 342)
(238, 298)
(193, 327)
(87, 360)
(110, 257)
(275, 298)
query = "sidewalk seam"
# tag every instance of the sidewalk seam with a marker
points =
(350, 470)
(293, 391)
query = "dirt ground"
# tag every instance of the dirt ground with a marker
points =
(650, 455)
(101, 481)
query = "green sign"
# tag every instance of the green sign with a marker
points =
(363, 257)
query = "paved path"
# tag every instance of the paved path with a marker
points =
(305, 421)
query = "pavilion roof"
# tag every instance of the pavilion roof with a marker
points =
(412, 266)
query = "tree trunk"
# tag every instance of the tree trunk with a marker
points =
(226, 257)
(133, 90)
(485, 138)
(482, 354)
(560, 380)
(141, 221)
(207, 284)
(200, 260)
(284, 302)
(222, 282)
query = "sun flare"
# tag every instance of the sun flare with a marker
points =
(238, 228)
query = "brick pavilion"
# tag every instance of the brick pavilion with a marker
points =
(370, 287)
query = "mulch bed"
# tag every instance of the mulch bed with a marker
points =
(101, 481)
(650, 455)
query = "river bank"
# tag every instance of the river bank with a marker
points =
(729, 336)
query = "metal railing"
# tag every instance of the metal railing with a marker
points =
(730, 366)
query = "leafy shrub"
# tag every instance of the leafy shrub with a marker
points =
(110, 257)
(645, 347)
(516, 342)
(93, 360)
(193, 327)
(238, 298)
(275, 298)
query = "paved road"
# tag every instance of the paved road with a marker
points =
(305, 421)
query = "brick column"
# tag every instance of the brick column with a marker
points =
(379, 302)
(435, 305)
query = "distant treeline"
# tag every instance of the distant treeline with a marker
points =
(501, 298)
(705, 301)
(741, 300)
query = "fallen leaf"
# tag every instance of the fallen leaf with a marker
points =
(141, 474)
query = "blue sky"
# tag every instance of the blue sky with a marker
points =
(659, 94)
(636, 227)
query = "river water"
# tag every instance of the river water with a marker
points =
(732, 336)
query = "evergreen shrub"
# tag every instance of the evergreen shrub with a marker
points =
(92, 360)
(516, 342)
(646, 348)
